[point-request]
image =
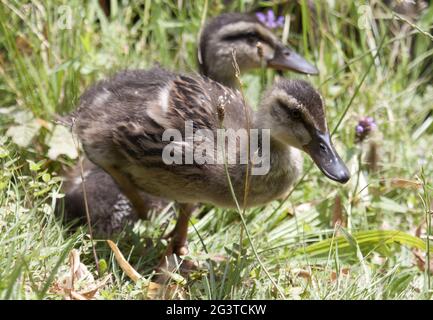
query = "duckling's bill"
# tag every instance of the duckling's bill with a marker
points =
(287, 59)
(324, 155)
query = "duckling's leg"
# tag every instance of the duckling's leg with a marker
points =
(130, 191)
(179, 241)
(178, 245)
(188, 209)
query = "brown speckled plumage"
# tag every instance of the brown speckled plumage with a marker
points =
(123, 130)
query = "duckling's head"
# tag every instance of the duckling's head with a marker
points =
(295, 113)
(255, 46)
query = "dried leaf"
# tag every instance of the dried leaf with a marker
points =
(126, 267)
(405, 184)
(421, 260)
(218, 258)
(77, 282)
(343, 272)
(23, 45)
(74, 260)
(337, 212)
(302, 273)
(420, 256)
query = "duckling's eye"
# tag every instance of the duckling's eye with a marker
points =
(251, 37)
(295, 114)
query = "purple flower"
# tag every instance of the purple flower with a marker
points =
(364, 127)
(269, 19)
(359, 129)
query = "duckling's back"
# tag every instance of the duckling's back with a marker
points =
(121, 123)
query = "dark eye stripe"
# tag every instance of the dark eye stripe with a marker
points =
(291, 113)
(242, 36)
(295, 114)
(282, 105)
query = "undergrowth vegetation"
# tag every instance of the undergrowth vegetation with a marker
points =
(368, 239)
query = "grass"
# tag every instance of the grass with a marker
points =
(325, 241)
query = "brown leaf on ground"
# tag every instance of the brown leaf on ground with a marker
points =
(343, 272)
(23, 45)
(302, 273)
(218, 258)
(420, 256)
(77, 283)
(405, 184)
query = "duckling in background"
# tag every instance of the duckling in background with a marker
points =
(219, 37)
(242, 33)
(110, 210)
(121, 122)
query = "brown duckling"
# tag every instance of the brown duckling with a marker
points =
(122, 124)
(220, 36)
(243, 33)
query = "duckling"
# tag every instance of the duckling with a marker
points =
(123, 124)
(244, 33)
(219, 37)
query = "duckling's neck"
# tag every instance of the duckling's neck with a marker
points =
(228, 80)
(221, 71)
(284, 161)
(285, 166)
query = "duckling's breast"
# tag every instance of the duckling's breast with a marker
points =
(285, 169)
(208, 183)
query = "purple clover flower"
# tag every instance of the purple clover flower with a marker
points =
(364, 127)
(359, 129)
(270, 20)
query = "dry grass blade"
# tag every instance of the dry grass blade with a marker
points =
(86, 203)
(337, 212)
(126, 267)
(405, 184)
(153, 290)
